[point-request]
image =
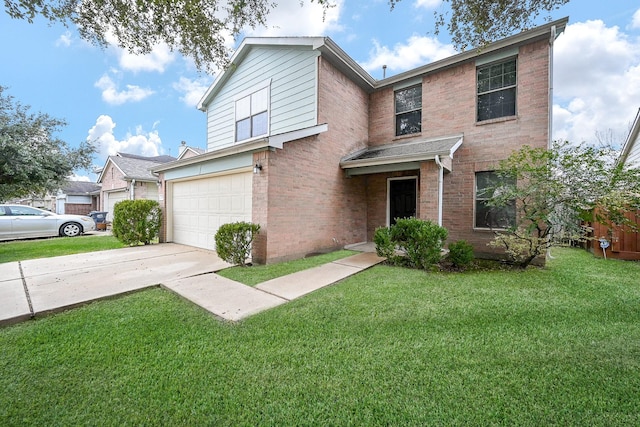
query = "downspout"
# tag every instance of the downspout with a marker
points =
(132, 190)
(553, 37)
(440, 184)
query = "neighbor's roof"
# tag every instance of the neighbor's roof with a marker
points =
(334, 54)
(375, 159)
(136, 167)
(79, 188)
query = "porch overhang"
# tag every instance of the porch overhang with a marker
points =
(401, 156)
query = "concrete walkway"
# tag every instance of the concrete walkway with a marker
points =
(36, 287)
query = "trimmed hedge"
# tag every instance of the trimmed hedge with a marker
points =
(233, 241)
(136, 221)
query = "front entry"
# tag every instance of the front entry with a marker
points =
(402, 198)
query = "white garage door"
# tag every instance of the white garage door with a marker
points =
(201, 206)
(112, 199)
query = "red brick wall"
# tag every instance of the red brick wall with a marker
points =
(112, 179)
(449, 102)
(310, 205)
(78, 208)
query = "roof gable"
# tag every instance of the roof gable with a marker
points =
(334, 54)
(134, 166)
(630, 155)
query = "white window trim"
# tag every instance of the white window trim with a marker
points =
(514, 86)
(247, 92)
(475, 202)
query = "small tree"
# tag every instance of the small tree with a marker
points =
(136, 221)
(233, 241)
(32, 159)
(552, 188)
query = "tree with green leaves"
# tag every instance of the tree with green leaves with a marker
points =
(553, 189)
(198, 28)
(32, 159)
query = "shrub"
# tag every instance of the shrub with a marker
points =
(460, 253)
(520, 246)
(384, 246)
(136, 221)
(420, 241)
(233, 241)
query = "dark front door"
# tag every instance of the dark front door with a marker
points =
(402, 199)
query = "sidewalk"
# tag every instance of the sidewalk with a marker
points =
(36, 287)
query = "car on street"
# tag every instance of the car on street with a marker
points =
(23, 222)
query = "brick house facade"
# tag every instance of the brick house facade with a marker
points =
(340, 157)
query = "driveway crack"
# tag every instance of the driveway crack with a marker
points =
(26, 289)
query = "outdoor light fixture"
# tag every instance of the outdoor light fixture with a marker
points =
(257, 168)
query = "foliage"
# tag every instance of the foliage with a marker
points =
(554, 188)
(136, 221)
(32, 160)
(233, 241)
(384, 246)
(199, 28)
(460, 253)
(520, 246)
(420, 242)
(475, 23)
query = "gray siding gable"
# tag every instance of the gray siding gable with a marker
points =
(290, 72)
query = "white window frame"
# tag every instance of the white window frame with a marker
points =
(248, 93)
(475, 203)
(513, 87)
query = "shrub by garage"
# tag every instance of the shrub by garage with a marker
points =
(136, 221)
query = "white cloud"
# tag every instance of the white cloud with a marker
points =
(291, 18)
(427, 4)
(76, 177)
(192, 90)
(635, 21)
(157, 60)
(142, 143)
(418, 50)
(64, 40)
(596, 81)
(112, 96)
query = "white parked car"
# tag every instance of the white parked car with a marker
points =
(22, 222)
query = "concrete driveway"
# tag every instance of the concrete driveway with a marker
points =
(40, 286)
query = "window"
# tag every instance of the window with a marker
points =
(252, 115)
(497, 90)
(409, 110)
(487, 183)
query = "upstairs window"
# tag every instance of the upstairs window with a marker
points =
(497, 90)
(408, 110)
(487, 183)
(252, 115)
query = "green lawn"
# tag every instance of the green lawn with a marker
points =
(261, 273)
(44, 248)
(389, 346)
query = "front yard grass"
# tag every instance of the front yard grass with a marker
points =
(57, 246)
(388, 346)
(261, 273)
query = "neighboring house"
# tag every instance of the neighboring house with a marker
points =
(129, 177)
(304, 142)
(186, 152)
(77, 198)
(624, 242)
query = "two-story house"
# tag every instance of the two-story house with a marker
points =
(304, 142)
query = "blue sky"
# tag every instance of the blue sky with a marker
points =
(147, 104)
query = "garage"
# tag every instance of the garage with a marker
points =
(113, 198)
(200, 206)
